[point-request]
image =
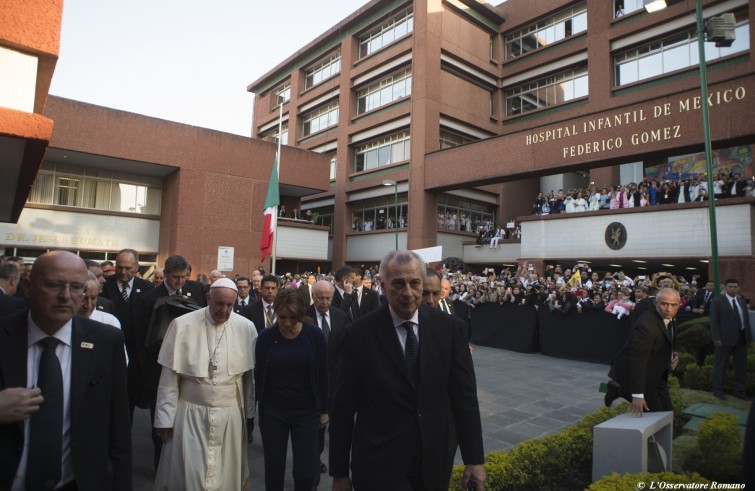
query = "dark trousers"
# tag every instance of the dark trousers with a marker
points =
(276, 424)
(739, 351)
(156, 442)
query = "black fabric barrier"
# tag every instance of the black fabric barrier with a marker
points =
(593, 336)
(501, 326)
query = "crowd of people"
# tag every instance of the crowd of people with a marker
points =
(207, 360)
(649, 192)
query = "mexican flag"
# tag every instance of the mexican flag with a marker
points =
(272, 200)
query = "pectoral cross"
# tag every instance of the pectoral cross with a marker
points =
(211, 368)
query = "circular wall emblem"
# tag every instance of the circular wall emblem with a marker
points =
(616, 236)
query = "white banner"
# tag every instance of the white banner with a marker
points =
(430, 254)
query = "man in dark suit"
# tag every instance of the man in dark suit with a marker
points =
(344, 295)
(72, 429)
(176, 269)
(244, 299)
(730, 331)
(333, 323)
(640, 371)
(10, 276)
(445, 304)
(404, 380)
(127, 291)
(701, 302)
(305, 290)
(365, 300)
(431, 289)
(261, 312)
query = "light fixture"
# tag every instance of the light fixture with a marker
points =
(668, 265)
(641, 267)
(654, 5)
(704, 261)
(691, 268)
(389, 182)
(615, 265)
(639, 261)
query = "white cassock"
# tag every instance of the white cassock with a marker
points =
(207, 411)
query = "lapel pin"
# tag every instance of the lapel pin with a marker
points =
(86, 345)
(188, 294)
(138, 290)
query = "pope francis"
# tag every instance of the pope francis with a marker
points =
(204, 394)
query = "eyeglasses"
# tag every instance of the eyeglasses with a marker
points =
(59, 287)
(242, 287)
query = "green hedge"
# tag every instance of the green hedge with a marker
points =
(553, 462)
(632, 481)
(718, 453)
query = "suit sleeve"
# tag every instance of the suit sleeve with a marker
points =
(120, 420)
(345, 402)
(462, 391)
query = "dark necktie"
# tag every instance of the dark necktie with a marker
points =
(444, 306)
(43, 468)
(325, 327)
(270, 319)
(243, 304)
(124, 291)
(411, 353)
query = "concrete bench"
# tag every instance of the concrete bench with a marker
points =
(621, 444)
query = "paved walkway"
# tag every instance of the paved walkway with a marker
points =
(522, 396)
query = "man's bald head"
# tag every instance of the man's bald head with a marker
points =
(55, 289)
(322, 295)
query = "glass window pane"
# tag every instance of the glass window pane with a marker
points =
(627, 73)
(384, 155)
(370, 161)
(675, 58)
(579, 23)
(581, 88)
(650, 66)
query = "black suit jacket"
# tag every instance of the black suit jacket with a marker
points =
(643, 364)
(105, 305)
(724, 326)
(10, 304)
(343, 302)
(339, 322)
(393, 419)
(129, 314)
(150, 368)
(370, 301)
(305, 294)
(254, 313)
(100, 422)
(699, 301)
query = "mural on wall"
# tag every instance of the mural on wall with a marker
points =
(733, 160)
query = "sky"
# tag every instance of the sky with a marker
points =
(188, 61)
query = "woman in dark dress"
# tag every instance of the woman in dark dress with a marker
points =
(291, 377)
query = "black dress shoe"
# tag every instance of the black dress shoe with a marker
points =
(323, 468)
(613, 392)
(719, 396)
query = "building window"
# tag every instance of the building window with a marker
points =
(379, 213)
(547, 91)
(333, 165)
(624, 7)
(320, 118)
(464, 215)
(389, 31)
(322, 70)
(547, 31)
(383, 151)
(283, 94)
(322, 216)
(450, 139)
(386, 90)
(98, 189)
(673, 53)
(273, 134)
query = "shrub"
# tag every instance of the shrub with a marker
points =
(695, 340)
(684, 360)
(558, 461)
(678, 403)
(718, 453)
(630, 481)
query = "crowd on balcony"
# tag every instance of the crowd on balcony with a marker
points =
(649, 192)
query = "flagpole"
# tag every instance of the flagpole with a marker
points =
(273, 257)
